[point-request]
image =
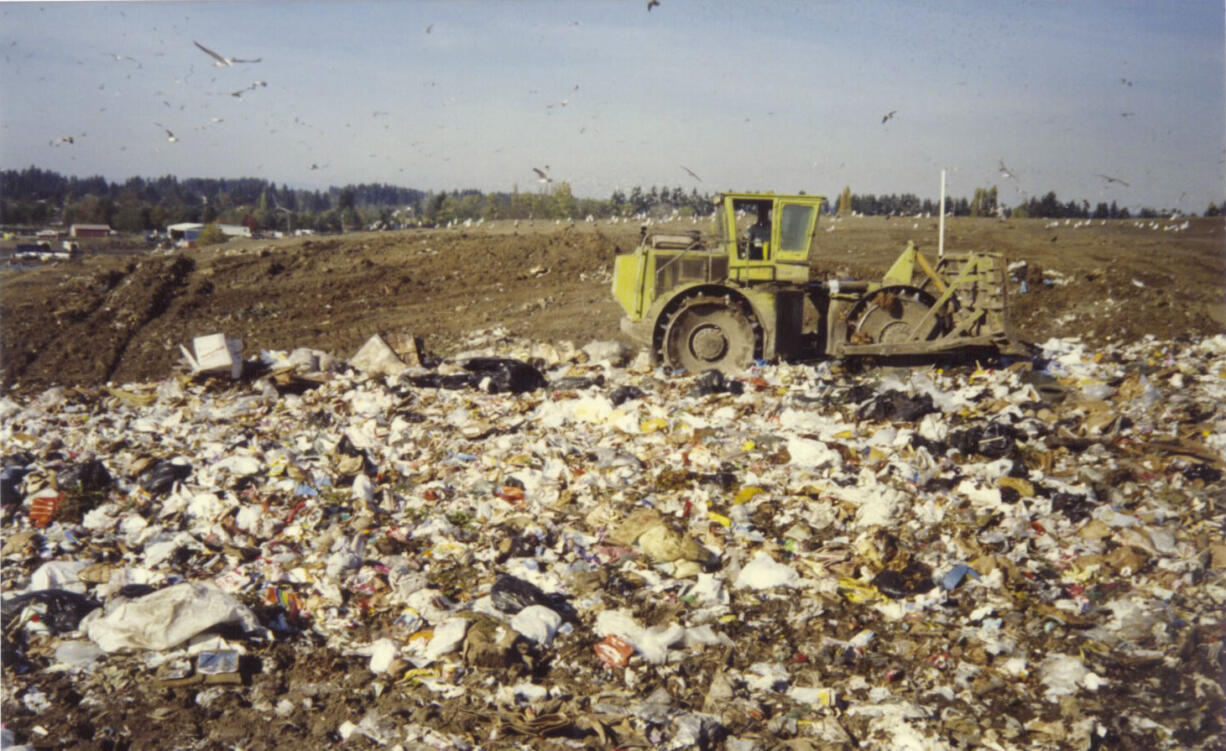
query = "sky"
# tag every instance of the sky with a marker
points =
(1101, 100)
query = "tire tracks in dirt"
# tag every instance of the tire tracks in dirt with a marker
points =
(93, 347)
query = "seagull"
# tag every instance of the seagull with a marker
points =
(652, 4)
(1111, 179)
(223, 62)
(169, 136)
(690, 172)
(121, 58)
(316, 166)
(429, 28)
(1125, 81)
(1005, 172)
(888, 116)
(544, 178)
(239, 92)
(62, 139)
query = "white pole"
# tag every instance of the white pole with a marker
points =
(941, 241)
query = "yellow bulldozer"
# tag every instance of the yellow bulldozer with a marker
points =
(727, 301)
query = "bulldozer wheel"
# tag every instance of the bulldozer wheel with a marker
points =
(890, 315)
(708, 332)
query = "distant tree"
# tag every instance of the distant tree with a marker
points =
(845, 201)
(211, 235)
(1102, 211)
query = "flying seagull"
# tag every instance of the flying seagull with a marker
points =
(239, 92)
(652, 4)
(169, 136)
(690, 172)
(542, 176)
(1125, 81)
(888, 116)
(121, 58)
(1111, 179)
(223, 62)
(1005, 172)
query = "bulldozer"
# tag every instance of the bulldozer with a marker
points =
(739, 297)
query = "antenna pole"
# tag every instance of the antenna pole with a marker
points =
(941, 241)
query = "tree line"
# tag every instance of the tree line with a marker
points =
(37, 197)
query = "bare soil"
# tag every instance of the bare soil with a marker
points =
(120, 317)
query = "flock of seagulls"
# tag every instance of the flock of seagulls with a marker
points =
(224, 61)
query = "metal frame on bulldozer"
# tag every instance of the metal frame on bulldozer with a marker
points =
(976, 298)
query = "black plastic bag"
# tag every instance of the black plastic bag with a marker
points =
(10, 484)
(505, 376)
(573, 383)
(62, 610)
(511, 594)
(897, 407)
(87, 477)
(913, 579)
(162, 476)
(994, 440)
(713, 382)
(623, 394)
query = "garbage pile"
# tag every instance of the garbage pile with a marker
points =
(546, 546)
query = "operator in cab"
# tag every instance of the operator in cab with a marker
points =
(760, 233)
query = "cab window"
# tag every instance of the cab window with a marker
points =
(794, 227)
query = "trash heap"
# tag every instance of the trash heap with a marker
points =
(534, 546)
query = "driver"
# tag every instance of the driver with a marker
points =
(760, 233)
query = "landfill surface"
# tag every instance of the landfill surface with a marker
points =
(543, 545)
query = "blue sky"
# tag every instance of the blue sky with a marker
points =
(782, 96)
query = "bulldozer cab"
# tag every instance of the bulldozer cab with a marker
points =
(767, 237)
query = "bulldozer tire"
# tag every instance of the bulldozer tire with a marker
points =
(890, 315)
(709, 332)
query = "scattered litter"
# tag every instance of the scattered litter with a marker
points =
(534, 543)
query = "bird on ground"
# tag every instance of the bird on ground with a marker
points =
(889, 115)
(690, 172)
(542, 176)
(1111, 179)
(1005, 172)
(224, 62)
(169, 136)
